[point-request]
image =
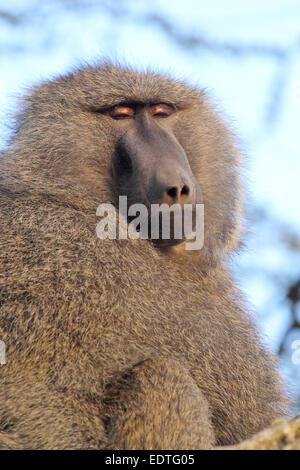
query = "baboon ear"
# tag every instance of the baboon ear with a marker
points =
(236, 228)
(235, 236)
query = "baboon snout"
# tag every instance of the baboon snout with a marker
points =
(156, 173)
(172, 186)
(151, 166)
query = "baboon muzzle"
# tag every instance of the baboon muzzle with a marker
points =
(151, 167)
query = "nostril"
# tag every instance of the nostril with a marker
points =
(172, 192)
(185, 190)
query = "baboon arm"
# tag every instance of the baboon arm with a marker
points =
(157, 405)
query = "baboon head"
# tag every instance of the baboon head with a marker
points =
(105, 131)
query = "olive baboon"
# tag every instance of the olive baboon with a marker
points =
(124, 344)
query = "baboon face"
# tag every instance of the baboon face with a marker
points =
(110, 131)
(149, 166)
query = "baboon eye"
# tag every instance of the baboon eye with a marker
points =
(122, 112)
(161, 110)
